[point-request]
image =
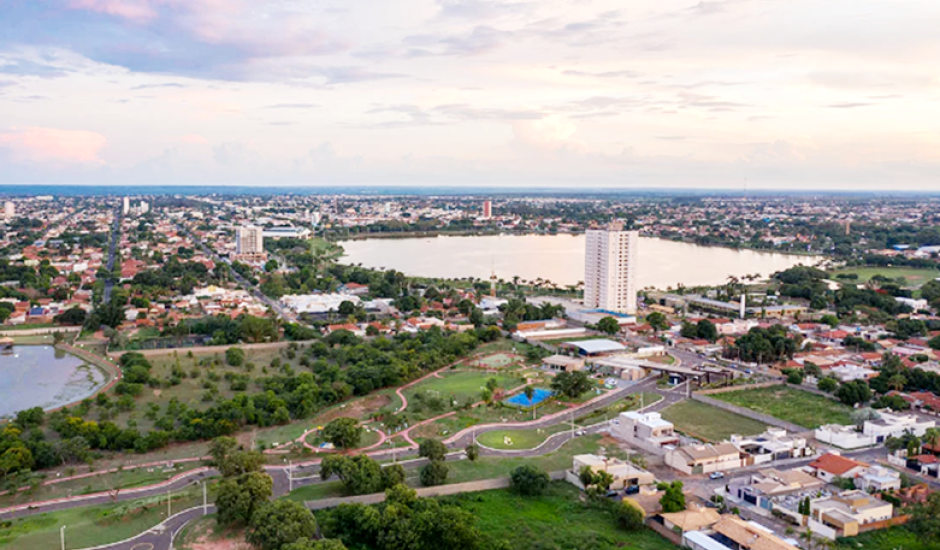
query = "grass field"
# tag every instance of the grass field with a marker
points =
(94, 525)
(556, 520)
(893, 538)
(915, 277)
(519, 439)
(796, 406)
(460, 386)
(709, 423)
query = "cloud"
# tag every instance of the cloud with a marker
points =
(164, 85)
(26, 67)
(603, 74)
(194, 139)
(293, 106)
(40, 145)
(551, 132)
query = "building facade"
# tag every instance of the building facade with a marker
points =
(610, 269)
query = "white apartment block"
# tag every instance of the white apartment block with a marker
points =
(610, 269)
(249, 239)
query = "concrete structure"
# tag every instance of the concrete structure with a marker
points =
(317, 303)
(646, 430)
(625, 474)
(878, 478)
(774, 444)
(126, 205)
(144, 207)
(706, 458)
(563, 363)
(487, 209)
(286, 231)
(846, 512)
(600, 346)
(9, 210)
(761, 488)
(622, 367)
(249, 244)
(873, 432)
(610, 269)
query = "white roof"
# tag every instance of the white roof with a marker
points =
(702, 540)
(597, 346)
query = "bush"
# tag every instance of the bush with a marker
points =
(434, 473)
(529, 480)
(629, 516)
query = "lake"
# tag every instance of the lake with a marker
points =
(560, 259)
(42, 376)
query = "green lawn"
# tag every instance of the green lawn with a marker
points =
(793, 405)
(893, 538)
(460, 385)
(556, 520)
(915, 277)
(519, 439)
(629, 403)
(94, 525)
(709, 423)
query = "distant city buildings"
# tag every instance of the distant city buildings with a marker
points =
(144, 207)
(126, 206)
(487, 209)
(9, 210)
(610, 269)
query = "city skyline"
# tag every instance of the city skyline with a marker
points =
(673, 94)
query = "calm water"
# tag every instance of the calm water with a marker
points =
(42, 376)
(560, 259)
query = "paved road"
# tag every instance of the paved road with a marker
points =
(115, 239)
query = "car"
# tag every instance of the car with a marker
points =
(579, 433)
(716, 475)
(748, 371)
(632, 490)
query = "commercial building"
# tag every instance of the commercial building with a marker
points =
(610, 269)
(286, 231)
(647, 431)
(563, 363)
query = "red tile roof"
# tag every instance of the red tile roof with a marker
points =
(835, 464)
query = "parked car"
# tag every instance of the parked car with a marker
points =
(716, 475)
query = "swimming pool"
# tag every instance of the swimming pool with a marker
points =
(520, 400)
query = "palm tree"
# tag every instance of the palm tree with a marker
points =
(897, 382)
(932, 438)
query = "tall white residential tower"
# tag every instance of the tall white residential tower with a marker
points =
(610, 269)
(9, 210)
(249, 239)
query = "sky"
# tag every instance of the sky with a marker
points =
(763, 94)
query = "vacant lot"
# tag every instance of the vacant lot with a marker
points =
(554, 520)
(709, 423)
(796, 406)
(888, 539)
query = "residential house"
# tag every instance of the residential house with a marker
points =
(774, 444)
(648, 431)
(830, 466)
(843, 515)
(694, 518)
(733, 533)
(705, 458)
(874, 432)
(625, 474)
(564, 363)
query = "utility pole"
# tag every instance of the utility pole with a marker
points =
(62, 536)
(290, 476)
(205, 500)
(169, 505)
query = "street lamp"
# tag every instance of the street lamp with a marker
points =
(62, 536)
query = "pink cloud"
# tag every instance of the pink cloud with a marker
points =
(53, 145)
(194, 139)
(136, 10)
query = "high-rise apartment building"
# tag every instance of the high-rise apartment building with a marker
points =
(9, 210)
(144, 207)
(487, 209)
(249, 239)
(610, 269)
(126, 207)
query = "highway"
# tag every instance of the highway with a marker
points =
(115, 240)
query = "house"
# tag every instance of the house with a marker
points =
(878, 478)
(355, 329)
(774, 444)
(874, 432)
(844, 514)
(563, 363)
(762, 487)
(695, 518)
(830, 466)
(706, 458)
(625, 474)
(648, 431)
(733, 533)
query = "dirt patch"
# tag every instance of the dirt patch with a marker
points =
(205, 537)
(157, 393)
(360, 409)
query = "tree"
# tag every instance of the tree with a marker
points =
(657, 321)
(359, 474)
(812, 369)
(473, 452)
(239, 497)
(344, 433)
(629, 516)
(925, 520)
(932, 438)
(795, 377)
(707, 330)
(235, 356)
(392, 475)
(529, 392)
(608, 325)
(401, 494)
(827, 385)
(278, 523)
(322, 544)
(586, 476)
(673, 499)
(529, 480)
(230, 460)
(434, 473)
(572, 384)
(432, 449)
(73, 316)
(854, 392)
(897, 382)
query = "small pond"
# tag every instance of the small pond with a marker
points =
(42, 376)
